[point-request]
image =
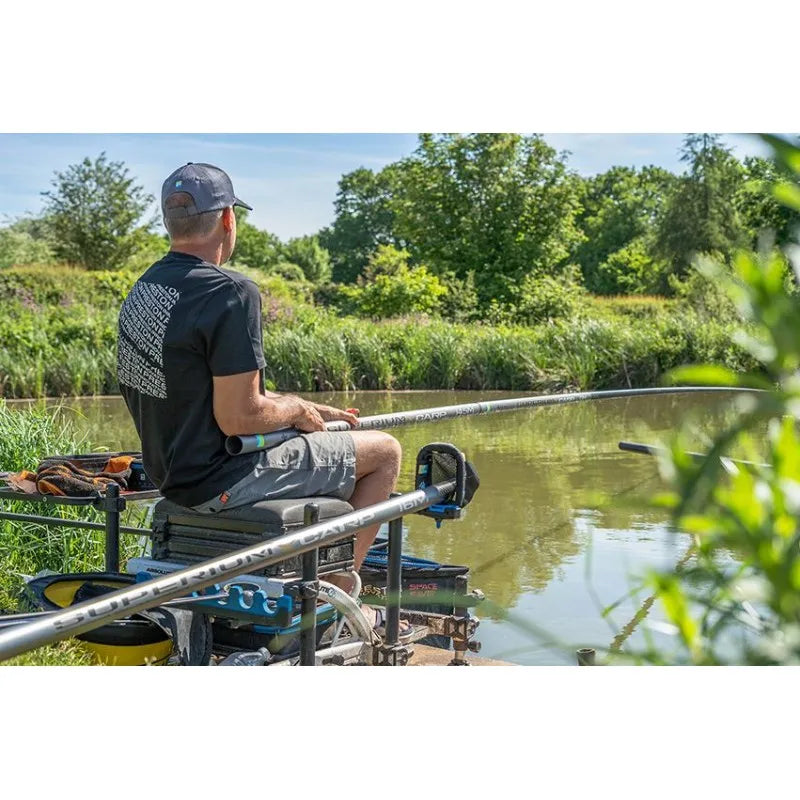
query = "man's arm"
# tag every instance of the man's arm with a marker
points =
(240, 408)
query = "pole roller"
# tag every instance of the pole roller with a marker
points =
(237, 445)
(94, 613)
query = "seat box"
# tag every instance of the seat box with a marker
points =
(183, 535)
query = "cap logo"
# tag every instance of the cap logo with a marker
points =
(178, 184)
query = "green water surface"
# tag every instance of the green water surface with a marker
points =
(561, 525)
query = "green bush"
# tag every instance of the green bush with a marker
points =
(406, 291)
(288, 271)
(631, 270)
(18, 248)
(339, 297)
(736, 600)
(461, 303)
(149, 247)
(313, 260)
(544, 297)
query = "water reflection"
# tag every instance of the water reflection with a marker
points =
(561, 522)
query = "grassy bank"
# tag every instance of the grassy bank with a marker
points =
(58, 335)
(26, 549)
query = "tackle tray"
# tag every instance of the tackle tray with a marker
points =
(138, 480)
(426, 585)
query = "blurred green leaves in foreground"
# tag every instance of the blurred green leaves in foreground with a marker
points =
(737, 599)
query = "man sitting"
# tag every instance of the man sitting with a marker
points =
(189, 366)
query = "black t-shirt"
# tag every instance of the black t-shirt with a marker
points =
(184, 321)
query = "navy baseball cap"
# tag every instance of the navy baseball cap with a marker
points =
(210, 188)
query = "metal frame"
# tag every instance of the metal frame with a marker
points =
(92, 614)
(112, 503)
(173, 588)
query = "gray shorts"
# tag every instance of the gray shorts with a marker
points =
(309, 465)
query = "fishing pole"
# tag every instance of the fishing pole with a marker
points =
(91, 614)
(251, 443)
(653, 450)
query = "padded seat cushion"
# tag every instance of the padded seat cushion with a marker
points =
(273, 513)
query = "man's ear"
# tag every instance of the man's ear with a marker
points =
(227, 219)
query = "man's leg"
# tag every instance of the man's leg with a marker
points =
(378, 457)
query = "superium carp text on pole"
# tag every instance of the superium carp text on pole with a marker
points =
(237, 445)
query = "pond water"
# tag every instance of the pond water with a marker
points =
(562, 524)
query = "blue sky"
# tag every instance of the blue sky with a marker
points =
(289, 179)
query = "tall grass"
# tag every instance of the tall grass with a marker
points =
(26, 437)
(432, 354)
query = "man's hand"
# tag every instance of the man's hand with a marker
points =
(308, 419)
(331, 414)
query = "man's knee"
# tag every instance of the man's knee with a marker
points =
(393, 452)
(377, 452)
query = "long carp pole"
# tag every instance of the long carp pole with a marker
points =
(654, 450)
(93, 613)
(237, 445)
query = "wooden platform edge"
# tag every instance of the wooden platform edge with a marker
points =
(425, 656)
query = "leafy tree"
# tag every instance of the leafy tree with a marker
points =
(497, 205)
(364, 220)
(254, 247)
(701, 216)
(621, 208)
(39, 228)
(313, 259)
(95, 211)
(760, 211)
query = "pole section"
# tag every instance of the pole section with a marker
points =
(394, 579)
(112, 505)
(94, 613)
(236, 445)
(309, 590)
(653, 450)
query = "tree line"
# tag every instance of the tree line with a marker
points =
(480, 226)
(505, 206)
